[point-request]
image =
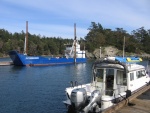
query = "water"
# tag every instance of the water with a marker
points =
(38, 89)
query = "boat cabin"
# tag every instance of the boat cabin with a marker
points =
(113, 77)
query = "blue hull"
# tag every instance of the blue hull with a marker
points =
(24, 60)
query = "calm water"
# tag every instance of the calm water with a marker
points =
(38, 89)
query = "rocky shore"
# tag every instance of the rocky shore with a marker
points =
(112, 51)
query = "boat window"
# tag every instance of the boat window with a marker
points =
(68, 45)
(121, 78)
(99, 75)
(109, 78)
(131, 76)
(109, 72)
(140, 73)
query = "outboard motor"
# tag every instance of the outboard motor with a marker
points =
(78, 98)
(94, 101)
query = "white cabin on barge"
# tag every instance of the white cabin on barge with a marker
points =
(113, 80)
(71, 49)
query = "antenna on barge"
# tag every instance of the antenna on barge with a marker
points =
(123, 46)
(26, 40)
(75, 40)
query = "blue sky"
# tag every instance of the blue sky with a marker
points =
(57, 17)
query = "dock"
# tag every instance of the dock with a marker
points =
(6, 63)
(141, 104)
(136, 103)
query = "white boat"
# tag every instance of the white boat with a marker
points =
(113, 79)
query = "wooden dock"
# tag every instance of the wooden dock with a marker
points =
(6, 63)
(141, 104)
(133, 104)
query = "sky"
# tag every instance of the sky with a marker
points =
(56, 18)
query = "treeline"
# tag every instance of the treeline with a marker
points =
(137, 42)
(37, 45)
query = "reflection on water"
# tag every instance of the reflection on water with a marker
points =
(81, 73)
(5, 59)
(39, 89)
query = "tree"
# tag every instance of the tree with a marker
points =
(95, 36)
(143, 37)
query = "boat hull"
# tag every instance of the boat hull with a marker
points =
(25, 60)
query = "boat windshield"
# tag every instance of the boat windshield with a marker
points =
(105, 79)
(100, 74)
